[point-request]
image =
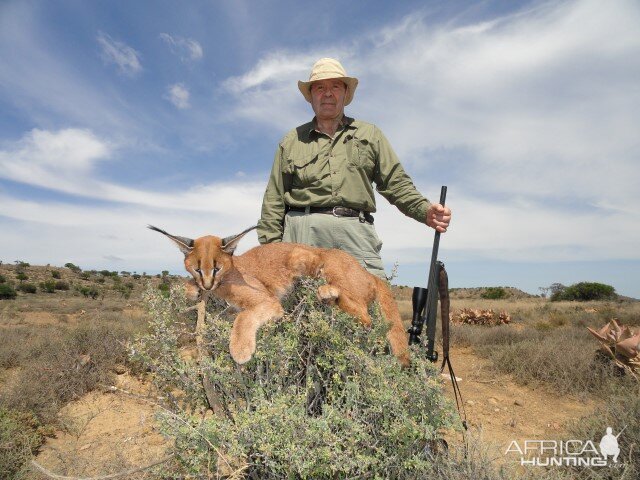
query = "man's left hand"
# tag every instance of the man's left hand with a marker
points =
(438, 217)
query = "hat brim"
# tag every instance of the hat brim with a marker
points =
(350, 82)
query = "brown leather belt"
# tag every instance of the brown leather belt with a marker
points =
(337, 211)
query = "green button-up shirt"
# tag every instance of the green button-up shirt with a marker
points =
(313, 169)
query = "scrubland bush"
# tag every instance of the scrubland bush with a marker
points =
(164, 288)
(92, 292)
(27, 288)
(494, 293)
(48, 286)
(72, 267)
(321, 398)
(585, 291)
(56, 274)
(61, 285)
(2, 279)
(7, 292)
(19, 439)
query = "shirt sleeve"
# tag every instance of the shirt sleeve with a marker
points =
(393, 183)
(271, 223)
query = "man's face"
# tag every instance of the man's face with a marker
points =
(327, 98)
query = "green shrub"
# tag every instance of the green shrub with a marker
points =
(19, 440)
(2, 279)
(321, 398)
(72, 267)
(61, 285)
(55, 274)
(27, 288)
(124, 289)
(22, 276)
(92, 292)
(494, 293)
(585, 291)
(85, 275)
(164, 288)
(7, 292)
(48, 286)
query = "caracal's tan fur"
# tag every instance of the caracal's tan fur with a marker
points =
(257, 280)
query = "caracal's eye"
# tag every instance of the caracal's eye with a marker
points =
(199, 271)
(216, 270)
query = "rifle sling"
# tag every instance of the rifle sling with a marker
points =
(443, 293)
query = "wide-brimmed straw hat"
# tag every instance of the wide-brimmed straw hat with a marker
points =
(324, 69)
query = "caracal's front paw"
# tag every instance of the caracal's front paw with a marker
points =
(242, 348)
(192, 291)
(328, 294)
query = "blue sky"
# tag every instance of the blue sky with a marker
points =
(118, 114)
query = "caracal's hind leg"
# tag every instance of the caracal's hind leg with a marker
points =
(242, 343)
(328, 294)
(356, 308)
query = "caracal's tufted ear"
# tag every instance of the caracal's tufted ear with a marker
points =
(184, 244)
(229, 244)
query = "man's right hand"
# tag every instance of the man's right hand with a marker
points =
(438, 217)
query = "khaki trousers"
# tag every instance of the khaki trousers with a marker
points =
(346, 233)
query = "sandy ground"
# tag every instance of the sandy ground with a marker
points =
(106, 433)
(500, 411)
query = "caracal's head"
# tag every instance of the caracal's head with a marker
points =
(208, 259)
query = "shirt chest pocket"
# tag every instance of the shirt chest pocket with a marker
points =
(300, 168)
(361, 154)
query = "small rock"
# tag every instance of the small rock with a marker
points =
(471, 402)
(493, 401)
(120, 369)
(518, 402)
(84, 447)
(512, 423)
(496, 409)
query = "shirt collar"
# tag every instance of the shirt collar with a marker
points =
(344, 123)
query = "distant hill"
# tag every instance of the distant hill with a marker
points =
(404, 292)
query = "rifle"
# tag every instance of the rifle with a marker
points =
(425, 303)
(425, 300)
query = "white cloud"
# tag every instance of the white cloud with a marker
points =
(268, 93)
(187, 49)
(63, 161)
(123, 56)
(178, 95)
(94, 236)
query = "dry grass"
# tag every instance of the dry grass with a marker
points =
(52, 364)
(546, 343)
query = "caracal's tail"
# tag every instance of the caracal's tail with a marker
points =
(398, 338)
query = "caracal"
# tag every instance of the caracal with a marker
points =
(257, 280)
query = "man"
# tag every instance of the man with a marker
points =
(320, 190)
